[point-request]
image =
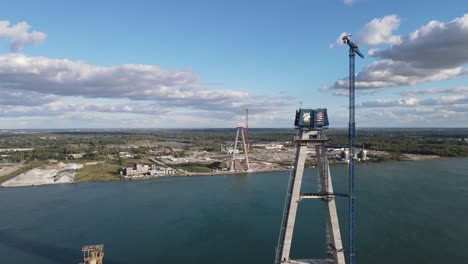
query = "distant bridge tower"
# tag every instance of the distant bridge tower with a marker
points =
(240, 130)
(310, 124)
(246, 129)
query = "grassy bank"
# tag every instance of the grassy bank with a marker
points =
(98, 172)
(201, 167)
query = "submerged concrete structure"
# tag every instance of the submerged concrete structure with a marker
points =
(310, 133)
(93, 254)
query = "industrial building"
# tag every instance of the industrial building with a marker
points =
(268, 146)
(142, 170)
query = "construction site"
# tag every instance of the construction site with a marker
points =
(310, 141)
(126, 137)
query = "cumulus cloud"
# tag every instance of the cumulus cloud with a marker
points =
(349, 2)
(390, 73)
(422, 116)
(380, 31)
(25, 98)
(434, 52)
(416, 102)
(133, 108)
(58, 108)
(19, 34)
(447, 106)
(62, 114)
(339, 40)
(453, 90)
(341, 93)
(45, 82)
(458, 108)
(63, 77)
(437, 45)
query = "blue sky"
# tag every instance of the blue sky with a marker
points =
(199, 63)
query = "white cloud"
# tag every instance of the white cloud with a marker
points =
(453, 90)
(341, 93)
(58, 108)
(42, 87)
(63, 77)
(132, 108)
(447, 107)
(61, 114)
(434, 52)
(349, 2)
(338, 41)
(18, 34)
(380, 31)
(25, 98)
(415, 117)
(390, 73)
(416, 102)
(437, 45)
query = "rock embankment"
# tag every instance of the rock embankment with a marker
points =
(59, 173)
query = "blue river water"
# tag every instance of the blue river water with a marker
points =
(407, 212)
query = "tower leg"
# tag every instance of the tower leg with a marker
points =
(326, 188)
(334, 227)
(234, 152)
(293, 196)
(245, 151)
(292, 201)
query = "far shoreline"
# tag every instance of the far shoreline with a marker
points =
(232, 173)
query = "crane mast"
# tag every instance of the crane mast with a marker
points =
(353, 50)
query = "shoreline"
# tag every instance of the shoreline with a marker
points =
(226, 173)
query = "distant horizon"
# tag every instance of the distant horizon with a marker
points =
(233, 128)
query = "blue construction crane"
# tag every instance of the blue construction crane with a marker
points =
(353, 50)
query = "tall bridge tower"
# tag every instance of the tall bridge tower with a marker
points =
(310, 124)
(240, 131)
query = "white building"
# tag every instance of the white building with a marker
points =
(268, 146)
(76, 155)
(123, 154)
(231, 151)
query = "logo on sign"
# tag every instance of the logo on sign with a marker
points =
(306, 118)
